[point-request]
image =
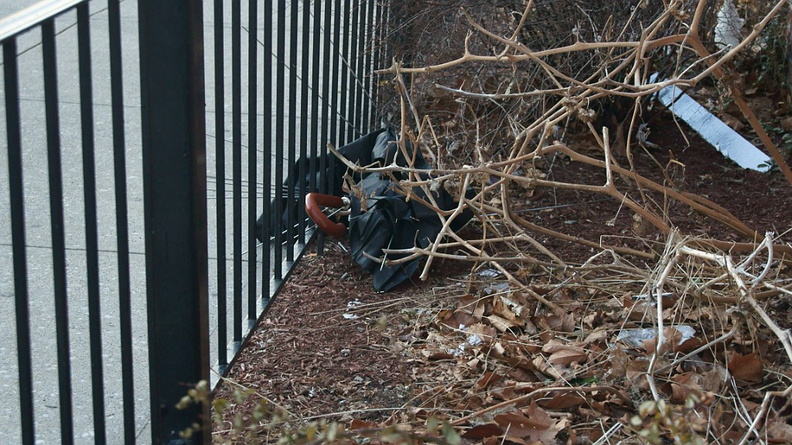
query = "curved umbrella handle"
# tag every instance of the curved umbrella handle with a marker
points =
(313, 201)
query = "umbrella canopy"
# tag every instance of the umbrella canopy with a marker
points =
(381, 216)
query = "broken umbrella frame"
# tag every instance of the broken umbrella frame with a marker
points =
(380, 216)
(313, 207)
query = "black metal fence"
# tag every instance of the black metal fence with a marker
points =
(309, 78)
(129, 264)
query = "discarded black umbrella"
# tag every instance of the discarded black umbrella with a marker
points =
(359, 152)
(380, 215)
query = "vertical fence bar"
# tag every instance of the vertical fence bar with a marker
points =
(387, 23)
(343, 90)
(266, 131)
(276, 218)
(292, 145)
(365, 72)
(174, 181)
(122, 224)
(316, 81)
(362, 77)
(319, 178)
(91, 231)
(304, 107)
(360, 69)
(378, 48)
(338, 76)
(236, 168)
(384, 22)
(368, 76)
(220, 160)
(374, 49)
(354, 73)
(17, 199)
(326, 99)
(56, 222)
(252, 157)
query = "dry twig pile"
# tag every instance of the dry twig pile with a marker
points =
(676, 318)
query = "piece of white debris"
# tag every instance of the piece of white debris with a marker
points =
(728, 29)
(474, 340)
(635, 337)
(713, 130)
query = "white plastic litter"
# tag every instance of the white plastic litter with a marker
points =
(635, 337)
(474, 340)
(489, 273)
(713, 130)
(728, 29)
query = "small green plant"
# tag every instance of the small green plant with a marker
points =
(773, 62)
(269, 422)
(786, 140)
(241, 427)
(659, 421)
(770, 166)
(200, 394)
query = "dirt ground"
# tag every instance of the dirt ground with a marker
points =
(331, 349)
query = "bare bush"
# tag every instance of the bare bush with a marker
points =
(562, 67)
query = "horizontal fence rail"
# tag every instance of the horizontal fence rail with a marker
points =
(153, 164)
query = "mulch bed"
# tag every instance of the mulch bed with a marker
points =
(329, 343)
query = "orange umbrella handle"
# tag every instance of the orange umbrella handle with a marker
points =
(313, 201)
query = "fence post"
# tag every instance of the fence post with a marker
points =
(174, 176)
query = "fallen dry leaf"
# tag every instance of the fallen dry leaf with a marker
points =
(563, 354)
(618, 364)
(500, 323)
(561, 323)
(532, 423)
(501, 308)
(568, 356)
(683, 385)
(479, 432)
(563, 400)
(746, 368)
(598, 335)
(780, 432)
(541, 365)
(484, 332)
(488, 379)
(714, 379)
(357, 424)
(786, 123)
(456, 320)
(732, 121)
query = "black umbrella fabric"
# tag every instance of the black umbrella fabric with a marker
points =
(381, 217)
(359, 152)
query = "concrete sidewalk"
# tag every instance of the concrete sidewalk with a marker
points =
(38, 237)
